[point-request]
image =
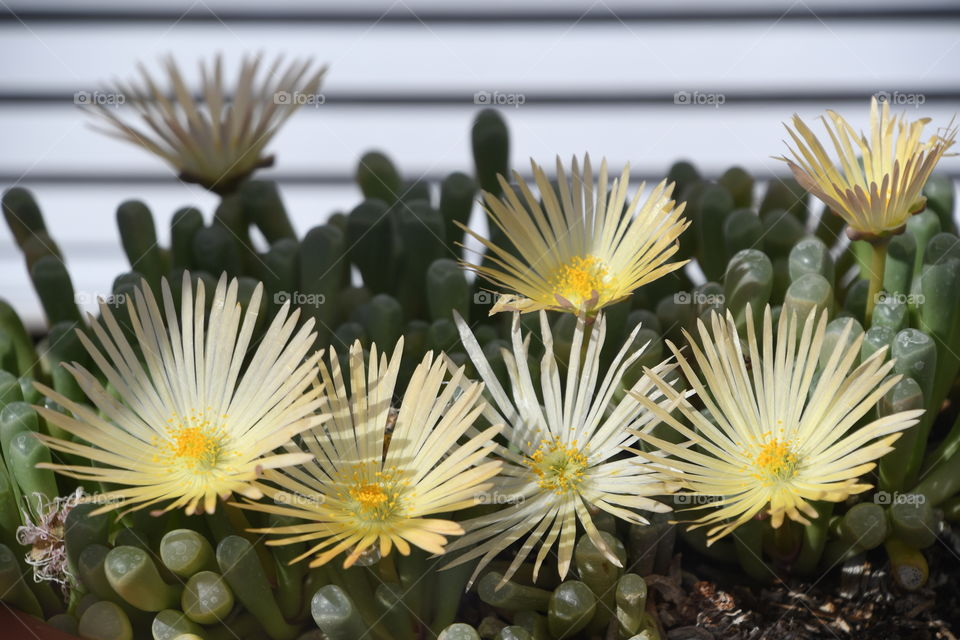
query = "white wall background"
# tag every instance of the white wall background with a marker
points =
(596, 76)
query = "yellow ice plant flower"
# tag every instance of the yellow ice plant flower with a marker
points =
(192, 423)
(218, 140)
(584, 247)
(563, 454)
(777, 440)
(380, 473)
(877, 197)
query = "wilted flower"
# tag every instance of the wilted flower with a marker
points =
(218, 140)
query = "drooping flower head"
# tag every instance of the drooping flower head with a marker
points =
(565, 454)
(193, 422)
(379, 473)
(583, 248)
(218, 140)
(780, 440)
(876, 198)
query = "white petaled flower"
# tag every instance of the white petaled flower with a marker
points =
(585, 247)
(384, 477)
(877, 184)
(566, 448)
(780, 440)
(192, 423)
(218, 140)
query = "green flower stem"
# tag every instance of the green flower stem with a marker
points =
(13, 586)
(942, 481)
(36, 485)
(138, 235)
(895, 467)
(451, 584)
(290, 575)
(359, 586)
(395, 616)
(245, 575)
(55, 290)
(183, 226)
(877, 265)
(27, 362)
(263, 206)
(748, 540)
(815, 537)
(946, 449)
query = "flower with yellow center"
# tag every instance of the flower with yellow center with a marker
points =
(219, 140)
(379, 474)
(193, 423)
(583, 247)
(877, 197)
(777, 439)
(563, 456)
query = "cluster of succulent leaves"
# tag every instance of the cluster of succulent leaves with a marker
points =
(179, 576)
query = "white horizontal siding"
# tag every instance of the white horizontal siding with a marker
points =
(449, 58)
(811, 55)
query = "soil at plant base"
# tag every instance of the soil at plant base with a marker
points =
(857, 600)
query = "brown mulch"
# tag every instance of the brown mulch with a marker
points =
(858, 600)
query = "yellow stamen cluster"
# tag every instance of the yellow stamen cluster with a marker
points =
(775, 462)
(377, 496)
(583, 278)
(196, 442)
(559, 467)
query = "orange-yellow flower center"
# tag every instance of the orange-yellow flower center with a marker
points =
(558, 467)
(775, 462)
(195, 442)
(581, 280)
(374, 496)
